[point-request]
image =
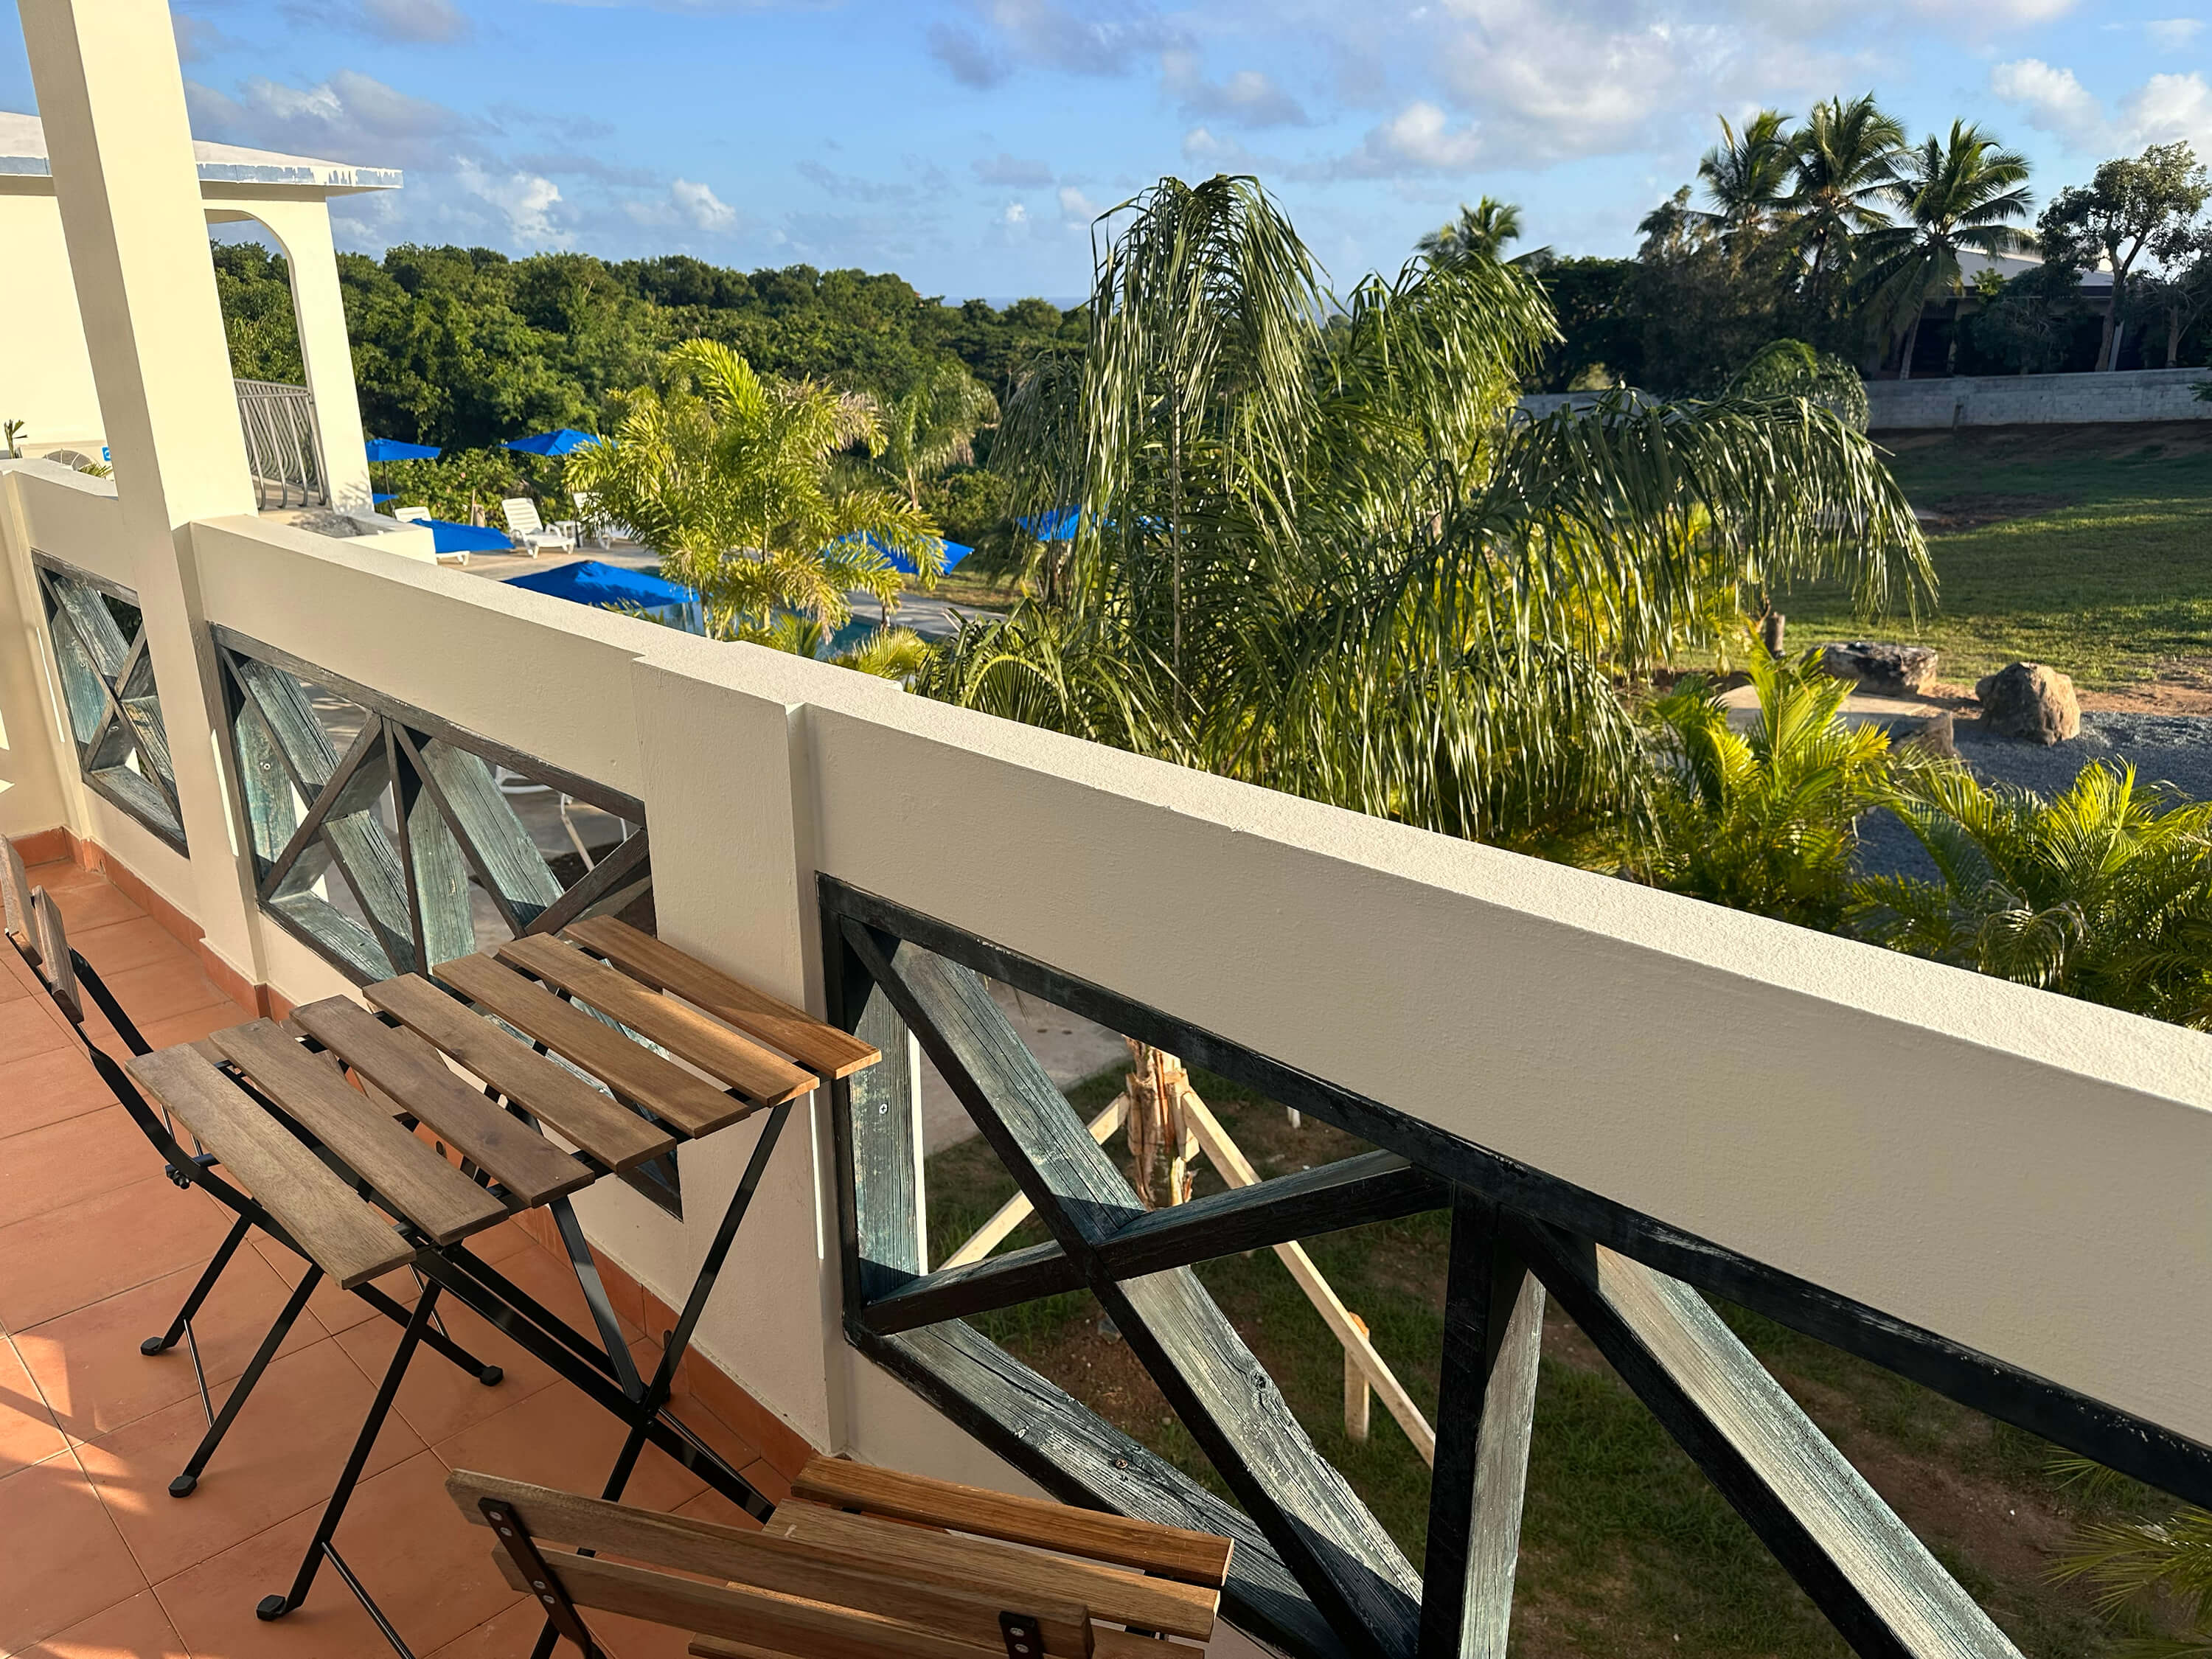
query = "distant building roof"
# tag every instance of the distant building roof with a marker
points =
(23, 153)
(2009, 265)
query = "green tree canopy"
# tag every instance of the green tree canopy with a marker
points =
(2127, 205)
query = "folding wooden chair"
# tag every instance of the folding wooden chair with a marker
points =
(69, 979)
(862, 1564)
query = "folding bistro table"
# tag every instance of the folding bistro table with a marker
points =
(604, 1077)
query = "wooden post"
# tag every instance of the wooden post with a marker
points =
(1016, 1210)
(1236, 1169)
(1355, 1389)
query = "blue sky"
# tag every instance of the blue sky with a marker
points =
(967, 143)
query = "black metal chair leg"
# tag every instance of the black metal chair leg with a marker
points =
(275, 1607)
(209, 1275)
(183, 1484)
(433, 1339)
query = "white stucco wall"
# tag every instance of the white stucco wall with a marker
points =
(45, 374)
(1964, 1153)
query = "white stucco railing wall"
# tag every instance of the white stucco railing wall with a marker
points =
(2022, 1173)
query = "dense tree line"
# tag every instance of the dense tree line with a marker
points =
(465, 348)
(1839, 231)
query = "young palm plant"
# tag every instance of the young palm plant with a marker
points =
(1762, 819)
(931, 427)
(727, 476)
(1319, 548)
(1962, 192)
(2103, 892)
(2142, 1571)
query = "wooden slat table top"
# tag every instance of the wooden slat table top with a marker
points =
(430, 1192)
(608, 1131)
(341, 1233)
(765, 1079)
(532, 1168)
(688, 1104)
(1195, 1557)
(990, 1567)
(823, 1050)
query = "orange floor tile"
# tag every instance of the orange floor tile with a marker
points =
(96, 1251)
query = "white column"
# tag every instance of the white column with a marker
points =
(319, 307)
(34, 748)
(112, 99)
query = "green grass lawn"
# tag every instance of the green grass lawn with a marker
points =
(2094, 553)
(1626, 1549)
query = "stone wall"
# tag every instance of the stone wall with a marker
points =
(2134, 394)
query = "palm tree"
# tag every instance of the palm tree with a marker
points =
(1319, 548)
(1955, 192)
(1481, 232)
(931, 427)
(727, 477)
(1746, 178)
(2103, 892)
(1846, 156)
(1763, 819)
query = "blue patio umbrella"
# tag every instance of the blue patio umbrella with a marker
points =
(450, 536)
(589, 581)
(954, 552)
(1056, 525)
(553, 443)
(390, 449)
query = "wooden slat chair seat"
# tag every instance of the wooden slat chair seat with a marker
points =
(879, 1566)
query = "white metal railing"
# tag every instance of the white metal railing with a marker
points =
(284, 444)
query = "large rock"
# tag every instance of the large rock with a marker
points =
(2031, 702)
(1886, 671)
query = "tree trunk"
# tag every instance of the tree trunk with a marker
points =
(1912, 344)
(2108, 359)
(2173, 339)
(1175, 530)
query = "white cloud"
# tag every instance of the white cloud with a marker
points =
(1420, 138)
(1247, 96)
(699, 204)
(2164, 109)
(1015, 214)
(1077, 37)
(351, 117)
(2173, 33)
(525, 199)
(686, 204)
(2054, 100)
(1074, 204)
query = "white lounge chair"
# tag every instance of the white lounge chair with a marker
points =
(421, 515)
(532, 534)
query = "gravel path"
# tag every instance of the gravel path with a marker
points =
(2169, 749)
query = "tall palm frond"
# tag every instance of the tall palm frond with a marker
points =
(1319, 548)
(727, 476)
(1746, 176)
(931, 425)
(1959, 192)
(1481, 233)
(1847, 155)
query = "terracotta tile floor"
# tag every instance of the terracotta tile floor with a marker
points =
(96, 1251)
